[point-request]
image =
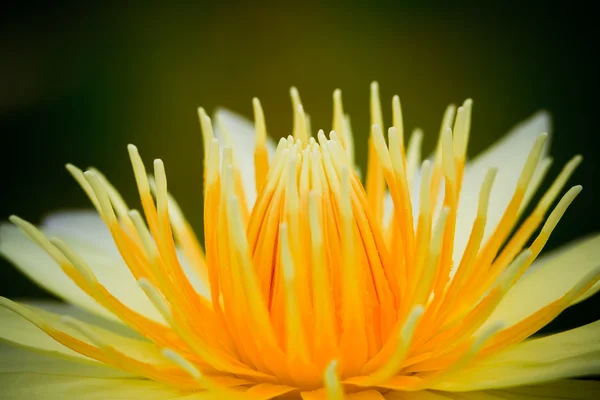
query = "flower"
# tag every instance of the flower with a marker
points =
(309, 286)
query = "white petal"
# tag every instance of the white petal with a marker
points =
(550, 278)
(243, 141)
(509, 156)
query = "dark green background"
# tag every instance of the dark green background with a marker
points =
(77, 83)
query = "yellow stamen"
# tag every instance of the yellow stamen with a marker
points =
(261, 158)
(375, 181)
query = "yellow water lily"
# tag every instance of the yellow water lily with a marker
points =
(424, 285)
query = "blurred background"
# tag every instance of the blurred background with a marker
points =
(78, 83)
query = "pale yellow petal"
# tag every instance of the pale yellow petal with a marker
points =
(17, 331)
(84, 224)
(549, 279)
(552, 348)
(547, 261)
(420, 395)
(97, 248)
(61, 308)
(139, 350)
(91, 338)
(14, 359)
(28, 386)
(561, 389)
(509, 156)
(34, 263)
(509, 374)
(567, 354)
(94, 246)
(564, 389)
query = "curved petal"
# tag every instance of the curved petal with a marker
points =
(38, 266)
(269, 390)
(321, 394)
(14, 359)
(17, 331)
(554, 266)
(420, 395)
(60, 308)
(549, 278)
(509, 156)
(563, 355)
(140, 357)
(85, 233)
(85, 225)
(562, 389)
(27, 386)
(243, 140)
(88, 226)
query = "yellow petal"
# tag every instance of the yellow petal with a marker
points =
(509, 156)
(27, 386)
(549, 279)
(567, 354)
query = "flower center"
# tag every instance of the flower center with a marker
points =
(322, 268)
